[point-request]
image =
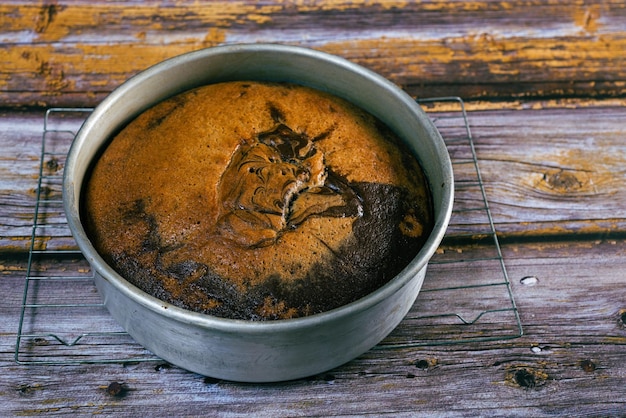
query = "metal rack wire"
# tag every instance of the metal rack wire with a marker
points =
(466, 295)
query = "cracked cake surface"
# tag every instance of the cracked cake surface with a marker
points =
(255, 200)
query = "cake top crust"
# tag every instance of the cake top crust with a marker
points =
(257, 200)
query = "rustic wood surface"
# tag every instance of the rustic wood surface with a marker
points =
(75, 52)
(544, 83)
(569, 360)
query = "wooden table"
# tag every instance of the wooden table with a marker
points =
(544, 85)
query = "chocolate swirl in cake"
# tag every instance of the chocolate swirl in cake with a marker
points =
(275, 183)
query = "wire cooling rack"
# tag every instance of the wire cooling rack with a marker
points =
(466, 295)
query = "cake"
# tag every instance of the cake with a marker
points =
(256, 201)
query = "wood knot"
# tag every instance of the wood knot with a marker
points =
(422, 364)
(588, 365)
(562, 181)
(116, 389)
(527, 378)
(622, 317)
(47, 14)
(425, 364)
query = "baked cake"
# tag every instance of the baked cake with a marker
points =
(254, 200)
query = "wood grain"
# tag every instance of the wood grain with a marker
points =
(571, 358)
(74, 53)
(549, 173)
(545, 81)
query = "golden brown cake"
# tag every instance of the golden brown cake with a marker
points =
(253, 200)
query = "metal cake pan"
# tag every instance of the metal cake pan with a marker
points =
(252, 351)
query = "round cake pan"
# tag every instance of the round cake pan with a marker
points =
(254, 351)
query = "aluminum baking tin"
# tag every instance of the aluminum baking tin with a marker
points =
(253, 351)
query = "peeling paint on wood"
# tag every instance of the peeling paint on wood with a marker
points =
(63, 53)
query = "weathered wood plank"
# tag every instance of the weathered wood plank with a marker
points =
(548, 173)
(74, 53)
(570, 360)
(563, 169)
(554, 178)
(19, 170)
